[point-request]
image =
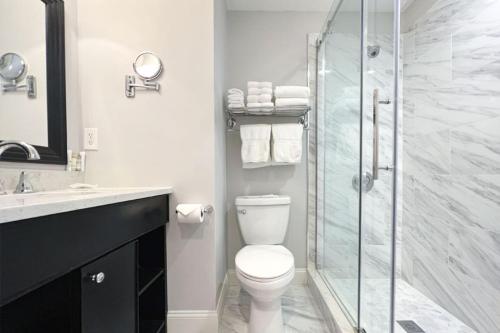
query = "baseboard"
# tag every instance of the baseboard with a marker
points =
(192, 322)
(300, 277)
(332, 312)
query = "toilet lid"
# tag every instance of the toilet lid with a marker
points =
(264, 261)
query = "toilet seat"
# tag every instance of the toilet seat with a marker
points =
(264, 263)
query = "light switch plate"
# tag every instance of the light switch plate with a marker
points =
(90, 139)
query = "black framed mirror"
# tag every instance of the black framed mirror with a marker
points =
(53, 149)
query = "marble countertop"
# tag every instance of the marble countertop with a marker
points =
(15, 207)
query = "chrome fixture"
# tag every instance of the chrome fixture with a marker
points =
(97, 278)
(29, 150)
(148, 67)
(24, 186)
(376, 103)
(301, 113)
(373, 51)
(367, 182)
(12, 70)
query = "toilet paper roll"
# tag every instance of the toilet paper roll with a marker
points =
(190, 213)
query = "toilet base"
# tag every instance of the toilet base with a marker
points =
(266, 317)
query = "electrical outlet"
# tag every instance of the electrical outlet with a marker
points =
(90, 139)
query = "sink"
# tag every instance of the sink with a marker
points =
(14, 207)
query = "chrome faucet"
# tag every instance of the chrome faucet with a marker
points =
(23, 185)
(29, 150)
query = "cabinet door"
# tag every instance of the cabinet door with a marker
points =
(109, 293)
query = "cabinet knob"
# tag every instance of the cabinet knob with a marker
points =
(98, 278)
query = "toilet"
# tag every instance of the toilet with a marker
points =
(264, 268)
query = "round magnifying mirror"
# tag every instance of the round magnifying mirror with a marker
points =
(12, 66)
(148, 66)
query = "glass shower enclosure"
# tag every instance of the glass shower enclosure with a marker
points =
(357, 85)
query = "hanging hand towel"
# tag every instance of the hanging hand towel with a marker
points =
(255, 143)
(292, 92)
(287, 143)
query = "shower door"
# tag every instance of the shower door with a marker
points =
(378, 208)
(339, 155)
(356, 158)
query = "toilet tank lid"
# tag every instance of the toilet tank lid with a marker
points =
(262, 200)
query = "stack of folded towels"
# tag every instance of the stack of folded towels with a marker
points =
(260, 96)
(291, 96)
(235, 99)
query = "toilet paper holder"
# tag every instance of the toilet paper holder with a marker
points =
(208, 209)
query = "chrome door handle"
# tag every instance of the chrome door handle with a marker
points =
(375, 135)
(376, 103)
(98, 278)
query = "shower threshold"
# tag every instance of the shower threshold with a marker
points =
(411, 306)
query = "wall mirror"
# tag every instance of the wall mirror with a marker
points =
(148, 66)
(12, 67)
(34, 50)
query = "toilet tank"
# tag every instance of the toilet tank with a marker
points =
(263, 219)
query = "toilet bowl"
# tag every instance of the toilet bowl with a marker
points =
(265, 272)
(264, 268)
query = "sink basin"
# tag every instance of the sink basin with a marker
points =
(22, 206)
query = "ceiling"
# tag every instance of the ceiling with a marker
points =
(306, 5)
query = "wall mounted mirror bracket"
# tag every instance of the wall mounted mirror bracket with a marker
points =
(12, 69)
(148, 67)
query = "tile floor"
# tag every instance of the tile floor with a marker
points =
(300, 312)
(410, 305)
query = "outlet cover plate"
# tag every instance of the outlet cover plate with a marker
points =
(90, 139)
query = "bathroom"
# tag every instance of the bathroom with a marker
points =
(120, 137)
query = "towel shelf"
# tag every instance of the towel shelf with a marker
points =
(297, 112)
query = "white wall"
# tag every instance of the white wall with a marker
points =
(220, 26)
(270, 46)
(154, 139)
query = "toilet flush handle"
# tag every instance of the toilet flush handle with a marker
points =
(242, 211)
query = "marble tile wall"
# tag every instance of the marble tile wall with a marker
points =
(451, 159)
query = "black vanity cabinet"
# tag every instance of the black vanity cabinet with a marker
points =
(95, 270)
(109, 292)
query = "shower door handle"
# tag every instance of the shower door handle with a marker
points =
(375, 135)
(376, 103)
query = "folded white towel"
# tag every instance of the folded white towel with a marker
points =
(235, 91)
(259, 85)
(253, 84)
(255, 143)
(266, 84)
(253, 98)
(292, 92)
(240, 105)
(259, 91)
(291, 102)
(235, 98)
(253, 105)
(287, 143)
(265, 98)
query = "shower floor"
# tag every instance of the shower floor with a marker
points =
(410, 305)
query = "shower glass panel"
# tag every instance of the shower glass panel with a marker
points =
(356, 121)
(376, 271)
(339, 124)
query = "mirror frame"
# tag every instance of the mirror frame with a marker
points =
(56, 152)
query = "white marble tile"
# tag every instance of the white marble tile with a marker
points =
(300, 312)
